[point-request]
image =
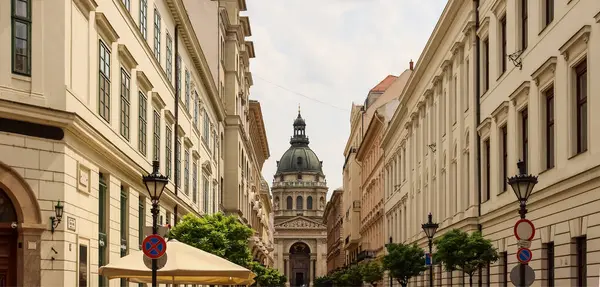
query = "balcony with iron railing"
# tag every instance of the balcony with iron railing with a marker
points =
(299, 184)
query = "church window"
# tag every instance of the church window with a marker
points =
(299, 160)
(289, 203)
(309, 203)
(299, 203)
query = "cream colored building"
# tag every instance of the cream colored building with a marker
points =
(333, 218)
(299, 191)
(86, 104)
(355, 247)
(505, 110)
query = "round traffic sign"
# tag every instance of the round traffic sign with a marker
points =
(160, 262)
(524, 229)
(515, 275)
(154, 246)
(524, 255)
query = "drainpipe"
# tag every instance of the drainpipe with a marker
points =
(176, 129)
(478, 120)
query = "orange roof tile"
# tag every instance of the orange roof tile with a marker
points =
(383, 85)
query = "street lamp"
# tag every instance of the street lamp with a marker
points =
(522, 184)
(430, 228)
(155, 184)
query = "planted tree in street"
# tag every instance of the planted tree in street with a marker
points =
(457, 250)
(371, 272)
(324, 281)
(218, 234)
(266, 276)
(348, 277)
(404, 261)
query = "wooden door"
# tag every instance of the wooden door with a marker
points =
(8, 257)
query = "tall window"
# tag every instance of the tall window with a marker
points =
(581, 106)
(178, 163)
(524, 24)
(186, 172)
(454, 100)
(486, 146)
(503, 55)
(504, 158)
(550, 128)
(168, 149)
(187, 90)
(142, 123)
(504, 272)
(288, 203)
(141, 219)
(525, 138)
(548, 11)
(206, 129)
(21, 37)
(125, 104)
(299, 203)
(549, 249)
(206, 194)
(467, 86)
(178, 73)
(157, 34)
(83, 266)
(581, 263)
(195, 182)
(104, 83)
(169, 60)
(156, 136)
(196, 103)
(486, 66)
(309, 202)
(102, 235)
(144, 18)
(124, 212)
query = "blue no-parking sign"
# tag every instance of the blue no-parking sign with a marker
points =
(524, 255)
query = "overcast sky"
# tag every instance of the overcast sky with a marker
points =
(324, 55)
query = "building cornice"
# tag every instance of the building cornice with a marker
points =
(256, 110)
(181, 18)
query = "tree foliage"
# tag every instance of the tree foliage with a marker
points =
(266, 276)
(404, 261)
(348, 277)
(323, 281)
(218, 234)
(371, 272)
(457, 250)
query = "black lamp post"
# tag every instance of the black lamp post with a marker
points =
(522, 184)
(55, 220)
(430, 228)
(155, 184)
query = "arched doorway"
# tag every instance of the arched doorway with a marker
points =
(21, 227)
(299, 264)
(8, 241)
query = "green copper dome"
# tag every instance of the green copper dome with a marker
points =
(299, 157)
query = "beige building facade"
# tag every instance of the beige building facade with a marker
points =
(333, 218)
(87, 102)
(480, 99)
(299, 190)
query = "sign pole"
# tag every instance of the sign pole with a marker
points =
(154, 231)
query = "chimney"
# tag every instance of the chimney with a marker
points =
(411, 65)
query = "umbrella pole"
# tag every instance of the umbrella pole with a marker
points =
(154, 231)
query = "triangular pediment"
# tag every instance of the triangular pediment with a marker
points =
(300, 222)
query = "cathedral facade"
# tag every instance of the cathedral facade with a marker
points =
(299, 193)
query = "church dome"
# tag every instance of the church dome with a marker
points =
(299, 157)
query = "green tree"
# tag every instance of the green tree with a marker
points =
(371, 272)
(324, 281)
(266, 276)
(404, 261)
(457, 250)
(349, 276)
(218, 234)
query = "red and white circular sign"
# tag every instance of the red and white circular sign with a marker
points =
(524, 230)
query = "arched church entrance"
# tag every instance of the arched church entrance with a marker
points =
(20, 231)
(299, 264)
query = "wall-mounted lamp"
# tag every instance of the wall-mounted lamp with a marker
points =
(55, 220)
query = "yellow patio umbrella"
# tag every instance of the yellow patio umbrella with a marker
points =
(185, 265)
